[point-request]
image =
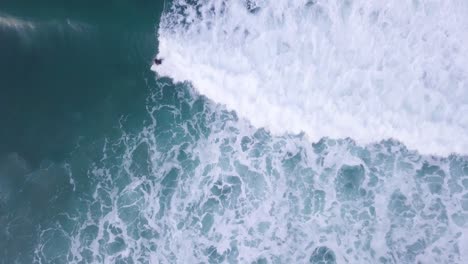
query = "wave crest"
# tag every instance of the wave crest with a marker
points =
(366, 70)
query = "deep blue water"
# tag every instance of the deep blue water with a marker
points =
(103, 161)
(68, 73)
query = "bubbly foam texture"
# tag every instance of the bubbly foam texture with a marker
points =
(366, 70)
(198, 185)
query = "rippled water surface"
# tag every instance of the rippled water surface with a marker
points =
(268, 134)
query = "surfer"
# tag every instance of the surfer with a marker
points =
(158, 61)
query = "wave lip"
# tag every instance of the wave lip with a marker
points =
(364, 70)
(28, 25)
(13, 22)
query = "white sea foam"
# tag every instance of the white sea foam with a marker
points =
(199, 185)
(369, 70)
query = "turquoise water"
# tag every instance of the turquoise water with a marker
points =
(104, 161)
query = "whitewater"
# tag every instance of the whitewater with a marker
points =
(274, 131)
(369, 70)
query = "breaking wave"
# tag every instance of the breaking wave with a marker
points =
(365, 70)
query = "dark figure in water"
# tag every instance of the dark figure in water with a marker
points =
(158, 61)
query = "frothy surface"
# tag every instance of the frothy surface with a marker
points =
(356, 69)
(198, 185)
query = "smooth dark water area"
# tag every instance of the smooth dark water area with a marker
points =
(69, 70)
(81, 66)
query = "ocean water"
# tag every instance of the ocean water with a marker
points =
(273, 132)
